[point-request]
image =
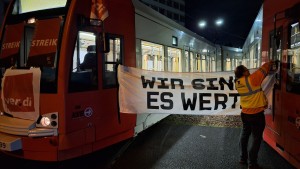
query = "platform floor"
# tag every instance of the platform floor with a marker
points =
(171, 146)
(166, 145)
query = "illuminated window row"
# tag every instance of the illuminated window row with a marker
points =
(160, 58)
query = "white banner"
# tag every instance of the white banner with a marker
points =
(211, 93)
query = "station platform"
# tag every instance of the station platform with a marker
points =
(168, 145)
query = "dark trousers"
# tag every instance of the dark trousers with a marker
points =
(252, 124)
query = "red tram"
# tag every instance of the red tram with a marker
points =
(75, 108)
(281, 41)
(78, 109)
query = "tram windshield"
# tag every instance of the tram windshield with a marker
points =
(24, 6)
(31, 38)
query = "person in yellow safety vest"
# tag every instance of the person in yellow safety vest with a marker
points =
(253, 103)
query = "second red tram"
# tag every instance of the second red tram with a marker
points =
(281, 41)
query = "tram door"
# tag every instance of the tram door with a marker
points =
(84, 84)
(291, 104)
(274, 113)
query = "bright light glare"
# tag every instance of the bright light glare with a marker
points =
(31, 20)
(219, 22)
(202, 24)
(45, 121)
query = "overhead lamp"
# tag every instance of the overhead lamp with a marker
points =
(219, 22)
(202, 24)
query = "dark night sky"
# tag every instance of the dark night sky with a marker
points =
(238, 16)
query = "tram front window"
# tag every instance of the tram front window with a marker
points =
(27, 45)
(31, 37)
(25, 6)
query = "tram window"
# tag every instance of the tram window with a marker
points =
(293, 81)
(174, 41)
(111, 60)
(34, 52)
(203, 63)
(153, 56)
(213, 64)
(186, 58)
(228, 64)
(192, 62)
(174, 60)
(84, 65)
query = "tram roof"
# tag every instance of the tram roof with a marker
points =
(144, 10)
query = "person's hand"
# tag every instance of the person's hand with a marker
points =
(272, 65)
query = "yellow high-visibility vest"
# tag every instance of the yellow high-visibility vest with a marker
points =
(251, 96)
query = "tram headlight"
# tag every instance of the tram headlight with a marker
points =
(49, 120)
(45, 121)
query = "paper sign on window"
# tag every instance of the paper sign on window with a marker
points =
(44, 43)
(21, 92)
